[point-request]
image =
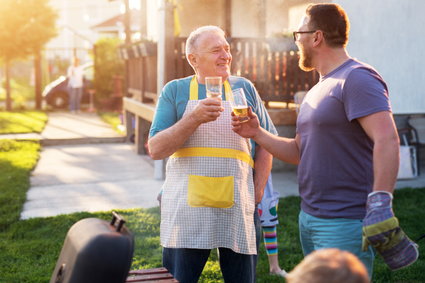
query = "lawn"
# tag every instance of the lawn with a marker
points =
(30, 248)
(22, 122)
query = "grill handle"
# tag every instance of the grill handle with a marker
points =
(117, 217)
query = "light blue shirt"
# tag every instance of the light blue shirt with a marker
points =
(175, 95)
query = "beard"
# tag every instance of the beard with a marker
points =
(306, 60)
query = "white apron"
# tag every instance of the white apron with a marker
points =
(208, 194)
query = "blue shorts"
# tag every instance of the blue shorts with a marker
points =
(342, 233)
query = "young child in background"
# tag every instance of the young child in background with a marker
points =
(267, 210)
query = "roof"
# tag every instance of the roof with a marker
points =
(117, 22)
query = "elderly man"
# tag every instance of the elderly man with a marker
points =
(346, 146)
(210, 193)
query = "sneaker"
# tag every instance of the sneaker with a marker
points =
(281, 273)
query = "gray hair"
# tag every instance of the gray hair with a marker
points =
(192, 40)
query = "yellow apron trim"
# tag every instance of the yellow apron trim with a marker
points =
(228, 91)
(214, 152)
(193, 93)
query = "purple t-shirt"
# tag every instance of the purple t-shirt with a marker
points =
(335, 173)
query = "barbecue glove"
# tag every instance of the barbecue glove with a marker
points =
(381, 229)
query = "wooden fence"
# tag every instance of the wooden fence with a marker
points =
(141, 65)
(276, 75)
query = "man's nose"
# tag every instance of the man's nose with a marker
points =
(226, 55)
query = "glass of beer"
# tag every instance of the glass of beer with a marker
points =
(239, 105)
(213, 86)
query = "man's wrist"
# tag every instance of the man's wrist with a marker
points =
(258, 135)
(380, 192)
(379, 200)
(193, 118)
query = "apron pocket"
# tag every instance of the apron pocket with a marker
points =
(211, 191)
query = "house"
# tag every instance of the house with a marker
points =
(114, 26)
(75, 19)
(384, 33)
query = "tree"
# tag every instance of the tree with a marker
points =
(25, 27)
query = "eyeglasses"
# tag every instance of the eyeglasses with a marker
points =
(297, 33)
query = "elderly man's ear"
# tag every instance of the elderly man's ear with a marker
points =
(193, 60)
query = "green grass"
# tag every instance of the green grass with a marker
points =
(30, 248)
(17, 159)
(22, 122)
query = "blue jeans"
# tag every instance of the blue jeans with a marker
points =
(186, 265)
(75, 95)
(345, 234)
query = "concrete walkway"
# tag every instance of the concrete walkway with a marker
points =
(72, 178)
(86, 166)
(64, 128)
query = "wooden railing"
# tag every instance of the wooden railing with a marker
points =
(276, 75)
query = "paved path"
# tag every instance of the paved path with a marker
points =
(85, 166)
(64, 128)
(72, 178)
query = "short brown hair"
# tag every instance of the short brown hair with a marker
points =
(329, 266)
(332, 20)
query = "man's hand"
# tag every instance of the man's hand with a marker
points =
(207, 110)
(247, 129)
(382, 230)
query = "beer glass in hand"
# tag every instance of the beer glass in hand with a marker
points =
(213, 86)
(239, 105)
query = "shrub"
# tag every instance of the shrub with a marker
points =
(107, 66)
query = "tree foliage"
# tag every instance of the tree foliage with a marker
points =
(25, 27)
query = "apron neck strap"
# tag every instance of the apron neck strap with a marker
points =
(193, 94)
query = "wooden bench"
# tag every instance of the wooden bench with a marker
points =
(143, 114)
(157, 275)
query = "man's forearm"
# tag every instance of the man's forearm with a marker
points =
(285, 149)
(385, 165)
(168, 141)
